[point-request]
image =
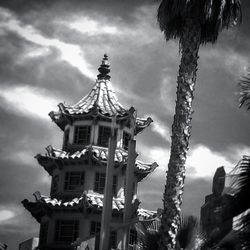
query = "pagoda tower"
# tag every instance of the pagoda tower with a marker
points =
(73, 211)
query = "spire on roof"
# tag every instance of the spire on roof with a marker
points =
(104, 69)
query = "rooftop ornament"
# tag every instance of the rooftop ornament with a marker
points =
(104, 69)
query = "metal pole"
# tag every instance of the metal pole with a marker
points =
(108, 196)
(129, 191)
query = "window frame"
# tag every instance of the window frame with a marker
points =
(102, 180)
(102, 141)
(114, 185)
(77, 134)
(125, 140)
(95, 229)
(66, 137)
(59, 230)
(99, 184)
(113, 240)
(72, 187)
(132, 237)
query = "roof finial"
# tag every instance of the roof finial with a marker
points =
(104, 69)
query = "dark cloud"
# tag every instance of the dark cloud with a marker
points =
(45, 71)
(112, 8)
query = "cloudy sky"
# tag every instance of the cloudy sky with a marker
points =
(50, 52)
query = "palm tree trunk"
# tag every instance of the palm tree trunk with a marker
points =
(181, 128)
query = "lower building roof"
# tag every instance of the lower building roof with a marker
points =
(45, 204)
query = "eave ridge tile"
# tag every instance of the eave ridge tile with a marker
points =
(141, 124)
(98, 153)
(92, 200)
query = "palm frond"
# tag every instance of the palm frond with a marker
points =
(171, 17)
(211, 15)
(244, 93)
(187, 232)
(242, 185)
(230, 241)
(147, 238)
(245, 231)
(241, 211)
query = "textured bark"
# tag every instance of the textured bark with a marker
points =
(181, 129)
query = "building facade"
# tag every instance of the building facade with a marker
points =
(216, 215)
(72, 213)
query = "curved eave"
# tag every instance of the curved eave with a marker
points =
(46, 162)
(145, 214)
(55, 158)
(36, 209)
(50, 163)
(86, 202)
(62, 117)
(141, 124)
(59, 119)
(143, 171)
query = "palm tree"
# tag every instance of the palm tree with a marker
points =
(193, 22)
(148, 234)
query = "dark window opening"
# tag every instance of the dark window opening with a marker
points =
(74, 181)
(114, 186)
(103, 136)
(125, 140)
(66, 230)
(82, 135)
(113, 240)
(95, 228)
(66, 138)
(100, 183)
(132, 237)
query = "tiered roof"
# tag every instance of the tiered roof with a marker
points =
(100, 102)
(87, 201)
(99, 154)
